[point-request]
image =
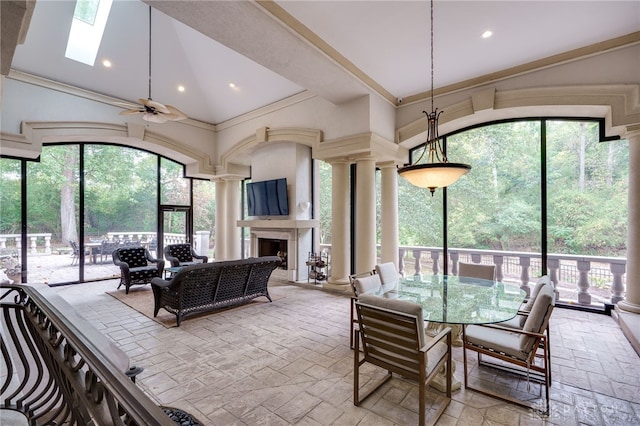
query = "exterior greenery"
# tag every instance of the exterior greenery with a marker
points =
(496, 206)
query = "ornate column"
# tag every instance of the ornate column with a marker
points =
(340, 225)
(632, 296)
(233, 234)
(389, 240)
(365, 214)
(220, 250)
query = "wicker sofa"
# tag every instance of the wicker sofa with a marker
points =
(210, 286)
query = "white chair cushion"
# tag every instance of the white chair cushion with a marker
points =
(498, 340)
(526, 307)
(538, 317)
(388, 276)
(367, 285)
(402, 306)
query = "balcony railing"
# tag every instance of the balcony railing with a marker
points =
(57, 369)
(582, 280)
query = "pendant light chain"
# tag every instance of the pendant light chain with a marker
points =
(432, 56)
(437, 171)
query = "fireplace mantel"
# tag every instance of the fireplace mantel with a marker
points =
(298, 234)
(280, 224)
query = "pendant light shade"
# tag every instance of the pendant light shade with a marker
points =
(434, 175)
(437, 172)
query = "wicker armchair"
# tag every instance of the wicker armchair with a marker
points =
(137, 267)
(182, 255)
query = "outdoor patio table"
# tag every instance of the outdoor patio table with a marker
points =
(456, 302)
(93, 250)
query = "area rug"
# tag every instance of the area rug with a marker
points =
(140, 298)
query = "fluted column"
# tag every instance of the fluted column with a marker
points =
(340, 225)
(221, 220)
(389, 239)
(632, 296)
(233, 215)
(365, 214)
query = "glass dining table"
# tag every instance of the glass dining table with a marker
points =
(449, 300)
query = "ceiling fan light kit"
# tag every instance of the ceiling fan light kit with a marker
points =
(153, 111)
(437, 172)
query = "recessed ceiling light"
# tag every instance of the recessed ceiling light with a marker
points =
(487, 34)
(232, 85)
(106, 63)
(181, 88)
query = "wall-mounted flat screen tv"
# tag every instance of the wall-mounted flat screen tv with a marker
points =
(268, 198)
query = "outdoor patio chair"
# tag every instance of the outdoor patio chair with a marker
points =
(136, 266)
(76, 252)
(521, 351)
(476, 270)
(393, 338)
(183, 255)
(106, 251)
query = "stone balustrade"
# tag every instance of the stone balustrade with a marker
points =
(585, 280)
(38, 243)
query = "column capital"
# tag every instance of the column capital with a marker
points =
(631, 132)
(359, 158)
(389, 164)
(339, 160)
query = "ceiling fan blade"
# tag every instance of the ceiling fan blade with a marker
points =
(175, 114)
(155, 105)
(154, 118)
(130, 112)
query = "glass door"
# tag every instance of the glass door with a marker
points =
(175, 227)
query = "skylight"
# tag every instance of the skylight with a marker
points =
(89, 20)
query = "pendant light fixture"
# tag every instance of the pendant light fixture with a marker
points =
(437, 171)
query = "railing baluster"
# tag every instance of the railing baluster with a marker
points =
(435, 255)
(525, 262)
(617, 287)
(417, 254)
(584, 297)
(498, 261)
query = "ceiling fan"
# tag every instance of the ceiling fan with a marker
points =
(151, 110)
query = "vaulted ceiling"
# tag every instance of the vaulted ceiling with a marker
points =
(339, 50)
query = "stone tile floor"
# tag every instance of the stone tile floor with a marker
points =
(289, 362)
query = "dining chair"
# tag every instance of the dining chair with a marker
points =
(518, 350)
(363, 283)
(389, 278)
(393, 338)
(518, 321)
(476, 270)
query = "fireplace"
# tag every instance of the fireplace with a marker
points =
(273, 247)
(290, 237)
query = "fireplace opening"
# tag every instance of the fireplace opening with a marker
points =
(273, 247)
